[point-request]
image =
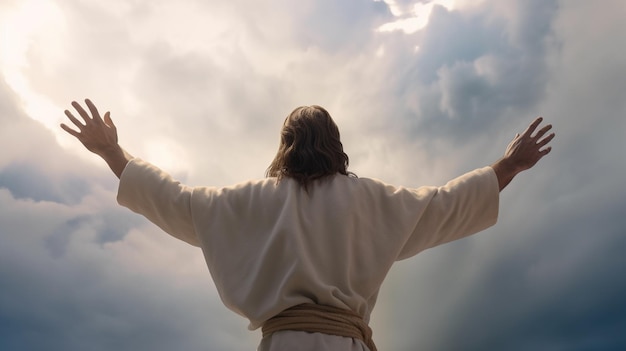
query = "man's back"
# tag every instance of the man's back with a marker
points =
(272, 245)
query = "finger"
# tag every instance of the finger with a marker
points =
(543, 131)
(545, 140)
(69, 130)
(531, 128)
(94, 111)
(81, 111)
(74, 120)
(108, 120)
(545, 151)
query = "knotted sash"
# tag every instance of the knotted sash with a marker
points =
(314, 318)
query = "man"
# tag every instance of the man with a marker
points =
(303, 253)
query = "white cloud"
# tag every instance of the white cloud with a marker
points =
(24, 25)
(415, 19)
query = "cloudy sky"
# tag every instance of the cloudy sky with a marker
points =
(422, 91)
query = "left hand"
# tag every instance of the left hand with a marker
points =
(97, 135)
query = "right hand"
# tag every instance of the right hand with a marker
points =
(525, 150)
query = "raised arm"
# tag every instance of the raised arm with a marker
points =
(523, 152)
(98, 136)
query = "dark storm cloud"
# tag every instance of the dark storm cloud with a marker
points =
(553, 292)
(77, 304)
(473, 69)
(27, 181)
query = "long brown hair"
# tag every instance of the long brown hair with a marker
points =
(310, 147)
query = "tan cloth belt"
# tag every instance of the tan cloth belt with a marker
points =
(314, 318)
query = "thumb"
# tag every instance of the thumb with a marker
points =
(108, 120)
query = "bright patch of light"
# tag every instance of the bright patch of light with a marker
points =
(417, 18)
(167, 154)
(380, 52)
(407, 25)
(29, 22)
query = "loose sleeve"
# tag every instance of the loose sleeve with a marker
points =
(464, 206)
(148, 191)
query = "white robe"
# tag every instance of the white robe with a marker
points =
(270, 246)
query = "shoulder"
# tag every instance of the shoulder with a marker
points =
(365, 186)
(244, 190)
